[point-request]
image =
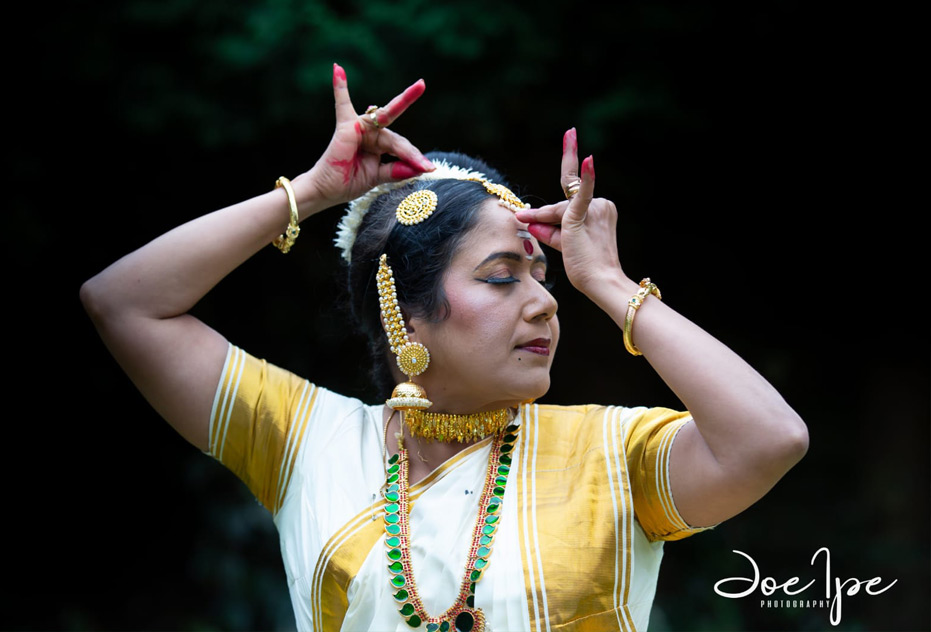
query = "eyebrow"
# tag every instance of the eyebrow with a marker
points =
(510, 256)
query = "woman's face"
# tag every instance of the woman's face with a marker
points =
(496, 347)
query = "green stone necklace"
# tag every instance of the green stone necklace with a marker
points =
(462, 616)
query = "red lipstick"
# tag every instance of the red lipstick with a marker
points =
(540, 346)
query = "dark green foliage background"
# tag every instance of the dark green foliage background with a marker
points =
(760, 155)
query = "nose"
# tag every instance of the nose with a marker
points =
(542, 304)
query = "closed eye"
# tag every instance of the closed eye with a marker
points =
(501, 280)
(548, 285)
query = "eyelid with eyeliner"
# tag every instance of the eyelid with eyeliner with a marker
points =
(500, 280)
(512, 279)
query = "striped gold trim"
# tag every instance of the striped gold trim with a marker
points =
(653, 433)
(526, 528)
(573, 464)
(295, 439)
(256, 428)
(663, 486)
(223, 401)
(616, 471)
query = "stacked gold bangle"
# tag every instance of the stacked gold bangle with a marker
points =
(285, 241)
(646, 288)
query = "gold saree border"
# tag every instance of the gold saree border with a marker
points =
(223, 400)
(582, 447)
(295, 439)
(262, 455)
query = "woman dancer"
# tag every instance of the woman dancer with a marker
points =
(458, 503)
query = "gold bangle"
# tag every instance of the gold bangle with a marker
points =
(646, 288)
(285, 241)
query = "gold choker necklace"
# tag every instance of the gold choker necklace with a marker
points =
(462, 428)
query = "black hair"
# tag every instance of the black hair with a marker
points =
(418, 255)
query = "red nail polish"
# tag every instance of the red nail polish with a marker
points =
(588, 167)
(402, 171)
(570, 141)
(404, 100)
(338, 74)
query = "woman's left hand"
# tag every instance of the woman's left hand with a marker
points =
(583, 228)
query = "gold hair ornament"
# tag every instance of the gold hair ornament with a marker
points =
(506, 197)
(416, 207)
(413, 358)
(285, 241)
(349, 224)
(646, 289)
(420, 204)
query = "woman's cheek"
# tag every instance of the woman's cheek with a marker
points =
(470, 310)
(554, 328)
(481, 319)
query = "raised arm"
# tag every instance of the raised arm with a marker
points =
(745, 437)
(139, 304)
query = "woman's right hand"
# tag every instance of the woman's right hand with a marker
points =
(352, 163)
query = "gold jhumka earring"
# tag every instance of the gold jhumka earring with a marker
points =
(413, 357)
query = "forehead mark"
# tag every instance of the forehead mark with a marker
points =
(492, 212)
(528, 248)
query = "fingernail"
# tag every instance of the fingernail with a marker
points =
(569, 141)
(588, 167)
(338, 74)
(402, 171)
(427, 165)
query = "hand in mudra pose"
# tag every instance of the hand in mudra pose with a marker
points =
(354, 161)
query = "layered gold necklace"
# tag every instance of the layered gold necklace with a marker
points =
(449, 427)
(462, 615)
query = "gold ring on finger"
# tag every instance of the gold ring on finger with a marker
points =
(573, 188)
(372, 111)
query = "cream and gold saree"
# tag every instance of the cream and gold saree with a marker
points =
(585, 513)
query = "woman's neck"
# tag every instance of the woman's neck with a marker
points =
(424, 455)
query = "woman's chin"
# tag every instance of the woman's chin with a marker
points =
(535, 392)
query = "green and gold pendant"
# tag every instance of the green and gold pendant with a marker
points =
(462, 616)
